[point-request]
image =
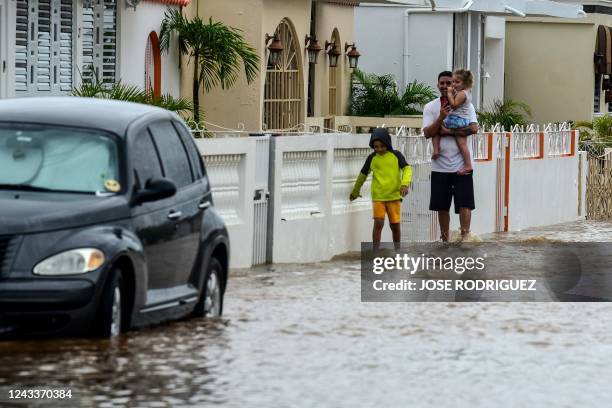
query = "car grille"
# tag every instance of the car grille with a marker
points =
(8, 247)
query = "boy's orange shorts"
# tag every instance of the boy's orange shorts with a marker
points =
(392, 208)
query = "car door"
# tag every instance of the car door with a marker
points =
(153, 221)
(197, 165)
(177, 167)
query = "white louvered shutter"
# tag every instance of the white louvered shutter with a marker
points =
(21, 47)
(44, 47)
(99, 41)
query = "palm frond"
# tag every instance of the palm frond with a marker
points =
(505, 113)
(221, 50)
(378, 95)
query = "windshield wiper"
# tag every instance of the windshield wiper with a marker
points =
(27, 187)
(22, 187)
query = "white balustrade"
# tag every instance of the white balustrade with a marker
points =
(480, 146)
(560, 143)
(224, 174)
(526, 145)
(346, 167)
(301, 184)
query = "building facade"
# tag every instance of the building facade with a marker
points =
(293, 91)
(562, 68)
(418, 43)
(48, 46)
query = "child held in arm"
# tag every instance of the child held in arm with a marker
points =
(459, 97)
(391, 176)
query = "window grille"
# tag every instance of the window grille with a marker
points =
(283, 92)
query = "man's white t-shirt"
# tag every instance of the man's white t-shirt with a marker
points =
(450, 160)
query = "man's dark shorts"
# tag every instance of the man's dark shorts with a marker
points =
(446, 186)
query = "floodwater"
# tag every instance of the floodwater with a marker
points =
(298, 336)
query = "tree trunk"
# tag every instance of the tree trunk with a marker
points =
(196, 90)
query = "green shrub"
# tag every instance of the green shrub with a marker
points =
(506, 113)
(378, 95)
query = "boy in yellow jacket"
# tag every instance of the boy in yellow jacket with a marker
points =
(391, 176)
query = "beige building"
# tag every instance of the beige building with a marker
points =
(293, 91)
(550, 64)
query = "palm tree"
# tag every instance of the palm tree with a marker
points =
(95, 88)
(217, 52)
(377, 95)
(506, 113)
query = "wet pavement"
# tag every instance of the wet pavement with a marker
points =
(298, 336)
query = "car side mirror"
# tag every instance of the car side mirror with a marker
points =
(155, 189)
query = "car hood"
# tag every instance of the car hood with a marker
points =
(29, 212)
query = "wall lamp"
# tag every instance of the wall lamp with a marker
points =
(332, 53)
(313, 48)
(353, 55)
(276, 48)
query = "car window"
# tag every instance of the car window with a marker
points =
(58, 158)
(145, 159)
(192, 149)
(174, 159)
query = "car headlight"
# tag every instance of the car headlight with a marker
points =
(72, 262)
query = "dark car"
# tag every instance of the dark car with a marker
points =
(106, 219)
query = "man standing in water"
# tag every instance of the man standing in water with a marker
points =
(446, 184)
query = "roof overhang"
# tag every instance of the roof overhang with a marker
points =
(178, 3)
(411, 3)
(523, 8)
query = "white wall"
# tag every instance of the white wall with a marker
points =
(230, 165)
(7, 48)
(493, 87)
(313, 218)
(3, 47)
(485, 181)
(379, 33)
(134, 29)
(312, 176)
(430, 45)
(543, 191)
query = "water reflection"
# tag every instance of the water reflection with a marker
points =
(298, 335)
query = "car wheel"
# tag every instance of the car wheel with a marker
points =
(109, 320)
(211, 299)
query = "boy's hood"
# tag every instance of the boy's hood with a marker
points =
(381, 134)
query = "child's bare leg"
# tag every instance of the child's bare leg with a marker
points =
(465, 152)
(397, 234)
(379, 223)
(435, 142)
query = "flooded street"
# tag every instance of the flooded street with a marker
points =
(299, 336)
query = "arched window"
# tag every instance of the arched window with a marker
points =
(283, 93)
(153, 65)
(334, 80)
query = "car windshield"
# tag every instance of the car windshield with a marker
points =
(49, 158)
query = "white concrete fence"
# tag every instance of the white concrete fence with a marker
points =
(286, 198)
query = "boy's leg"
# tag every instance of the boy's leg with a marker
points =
(465, 152)
(394, 209)
(379, 223)
(378, 209)
(397, 234)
